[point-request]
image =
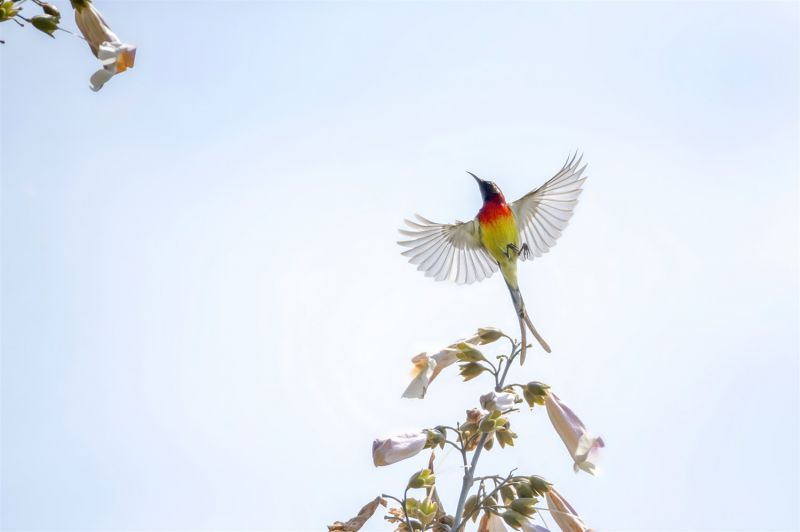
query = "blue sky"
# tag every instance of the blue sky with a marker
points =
(206, 319)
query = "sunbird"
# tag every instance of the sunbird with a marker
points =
(500, 235)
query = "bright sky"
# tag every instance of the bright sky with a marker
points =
(206, 319)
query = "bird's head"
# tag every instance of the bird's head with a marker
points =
(489, 191)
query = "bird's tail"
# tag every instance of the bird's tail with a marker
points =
(524, 319)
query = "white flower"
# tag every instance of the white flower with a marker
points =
(115, 55)
(423, 372)
(399, 447)
(497, 401)
(426, 368)
(581, 445)
(563, 514)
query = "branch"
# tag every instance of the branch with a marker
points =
(466, 484)
(497, 488)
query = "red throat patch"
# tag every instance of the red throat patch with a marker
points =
(494, 211)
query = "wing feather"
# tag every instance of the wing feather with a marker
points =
(542, 215)
(447, 251)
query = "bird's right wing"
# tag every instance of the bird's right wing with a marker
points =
(544, 213)
(448, 251)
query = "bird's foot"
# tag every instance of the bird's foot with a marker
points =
(524, 251)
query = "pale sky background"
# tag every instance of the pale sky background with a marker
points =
(206, 319)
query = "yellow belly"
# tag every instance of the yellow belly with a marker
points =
(496, 236)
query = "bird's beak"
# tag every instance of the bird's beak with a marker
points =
(478, 179)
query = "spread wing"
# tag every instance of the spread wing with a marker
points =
(447, 251)
(544, 213)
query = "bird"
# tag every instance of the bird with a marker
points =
(498, 237)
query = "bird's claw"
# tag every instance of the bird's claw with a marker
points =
(524, 251)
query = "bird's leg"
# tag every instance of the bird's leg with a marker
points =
(509, 249)
(523, 251)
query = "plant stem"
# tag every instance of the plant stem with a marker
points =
(466, 484)
(469, 474)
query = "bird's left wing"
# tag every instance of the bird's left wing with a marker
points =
(448, 251)
(542, 214)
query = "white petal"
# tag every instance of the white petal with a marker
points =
(91, 24)
(100, 78)
(108, 52)
(417, 388)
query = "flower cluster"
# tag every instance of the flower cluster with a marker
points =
(499, 502)
(115, 56)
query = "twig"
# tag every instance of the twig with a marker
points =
(402, 505)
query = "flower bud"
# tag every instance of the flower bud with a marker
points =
(524, 506)
(523, 488)
(468, 353)
(423, 478)
(489, 334)
(470, 370)
(399, 447)
(539, 485)
(470, 506)
(45, 23)
(436, 437)
(505, 437)
(426, 511)
(534, 393)
(513, 519)
(51, 10)
(487, 424)
(508, 493)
